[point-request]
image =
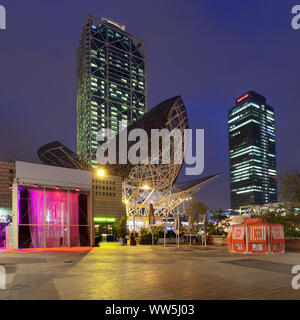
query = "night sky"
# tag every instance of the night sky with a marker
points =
(208, 51)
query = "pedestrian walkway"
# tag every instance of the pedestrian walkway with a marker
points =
(145, 272)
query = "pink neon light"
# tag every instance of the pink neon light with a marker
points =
(78, 249)
(5, 250)
(2, 239)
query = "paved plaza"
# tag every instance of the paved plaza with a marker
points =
(145, 272)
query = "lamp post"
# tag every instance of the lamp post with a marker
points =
(190, 228)
(151, 221)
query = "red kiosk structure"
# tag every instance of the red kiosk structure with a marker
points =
(256, 236)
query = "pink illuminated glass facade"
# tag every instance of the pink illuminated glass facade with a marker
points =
(2, 236)
(50, 218)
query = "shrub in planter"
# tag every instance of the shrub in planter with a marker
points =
(132, 240)
(171, 234)
(159, 232)
(121, 229)
(146, 237)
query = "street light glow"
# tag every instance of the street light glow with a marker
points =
(101, 173)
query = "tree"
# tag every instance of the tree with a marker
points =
(219, 224)
(121, 227)
(290, 185)
(198, 211)
(146, 237)
(159, 232)
(286, 215)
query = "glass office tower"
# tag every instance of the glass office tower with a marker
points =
(253, 174)
(112, 84)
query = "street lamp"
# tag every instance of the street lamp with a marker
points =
(101, 173)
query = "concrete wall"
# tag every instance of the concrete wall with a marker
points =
(33, 173)
(292, 243)
(217, 240)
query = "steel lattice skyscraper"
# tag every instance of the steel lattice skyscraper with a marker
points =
(253, 174)
(111, 84)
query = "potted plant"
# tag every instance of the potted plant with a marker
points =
(146, 237)
(132, 239)
(121, 228)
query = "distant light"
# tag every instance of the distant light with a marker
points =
(146, 187)
(126, 201)
(57, 188)
(10, 187)
(242, 98)
(35, 185)
(101, 173)
(103, 219)
(77, 190)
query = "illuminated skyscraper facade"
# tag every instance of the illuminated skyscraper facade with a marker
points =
(111, 84)
(252, 150)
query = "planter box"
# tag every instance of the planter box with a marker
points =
(218, 240)
(292, 243)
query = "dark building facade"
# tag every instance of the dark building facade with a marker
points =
(111, 85)
(57, 154)
(252, 151)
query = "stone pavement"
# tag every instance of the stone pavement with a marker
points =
(146, 272)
